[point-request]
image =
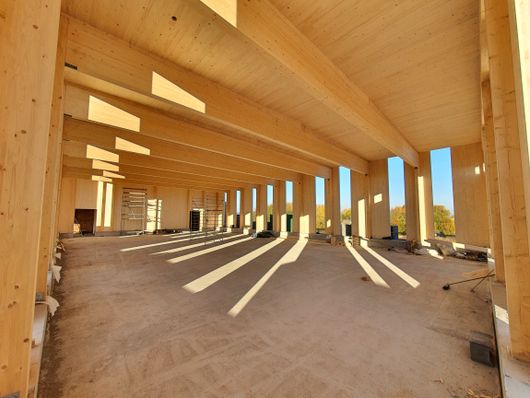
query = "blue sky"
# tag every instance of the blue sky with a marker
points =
(441, 178)
(442, 185)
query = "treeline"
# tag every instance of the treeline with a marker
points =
(444, 222)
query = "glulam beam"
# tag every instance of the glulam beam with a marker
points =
(149, 162)
(92, 106)
(110, 139)
(261, 23)
(107, 59)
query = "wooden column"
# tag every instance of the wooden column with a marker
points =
(261, 208)
(425, 204)
(507, 134)
(279, 208)
(379, 198)
(231, 209)
(360, 204)
(412, 203)
(308, 211)
(47, 239)
(335, 227)
(28, 47)
(246, 209)
(492, 183)
(328, 206)
(469, 187)
(298, 198)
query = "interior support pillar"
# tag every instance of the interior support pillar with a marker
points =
(328, 206)
(508, 137)
(334, 222)
(360, 204)
(297, 205)
(492, 183)
(28, 48)
(425, 201)
(47, 240)
(379, 199)
(469, 187)
(280, 208)
(261, 208)
(308, 211)
(231, 209)
(246, 210)
(412, 210)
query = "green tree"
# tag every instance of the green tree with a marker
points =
(289, 208)
(444, 221)
(321, 217)
(398, 217)
(345, 215)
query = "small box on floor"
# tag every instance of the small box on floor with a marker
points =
(481, 348)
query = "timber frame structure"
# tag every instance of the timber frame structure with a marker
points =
(212, 100)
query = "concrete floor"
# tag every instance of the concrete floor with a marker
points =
(127, 328)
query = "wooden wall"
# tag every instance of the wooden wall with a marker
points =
(173, 204)
(469, 189)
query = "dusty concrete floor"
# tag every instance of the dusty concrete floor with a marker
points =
(127, 328)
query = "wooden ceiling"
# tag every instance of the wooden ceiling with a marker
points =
(417, 60)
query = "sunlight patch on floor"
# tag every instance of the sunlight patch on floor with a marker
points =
(216, 275)
(206, 251)
(188, 247)
(402, 274)
(167, 242)
(374, 276)
(290, 257)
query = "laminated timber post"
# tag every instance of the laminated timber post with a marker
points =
(379, 214)
(231, 209)
(425, 203)
(360, 204)
(53, 169)
(297, 205)
(246, 210)
(492, 183)
(510, 153)
(412, 210)
(469, 187)
(261, 208)
(333, 216)
(28, 46)
(279, 213)
(308, 207)
(418, 200)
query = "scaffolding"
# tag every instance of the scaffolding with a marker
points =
(133, 208)
(211, 212)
